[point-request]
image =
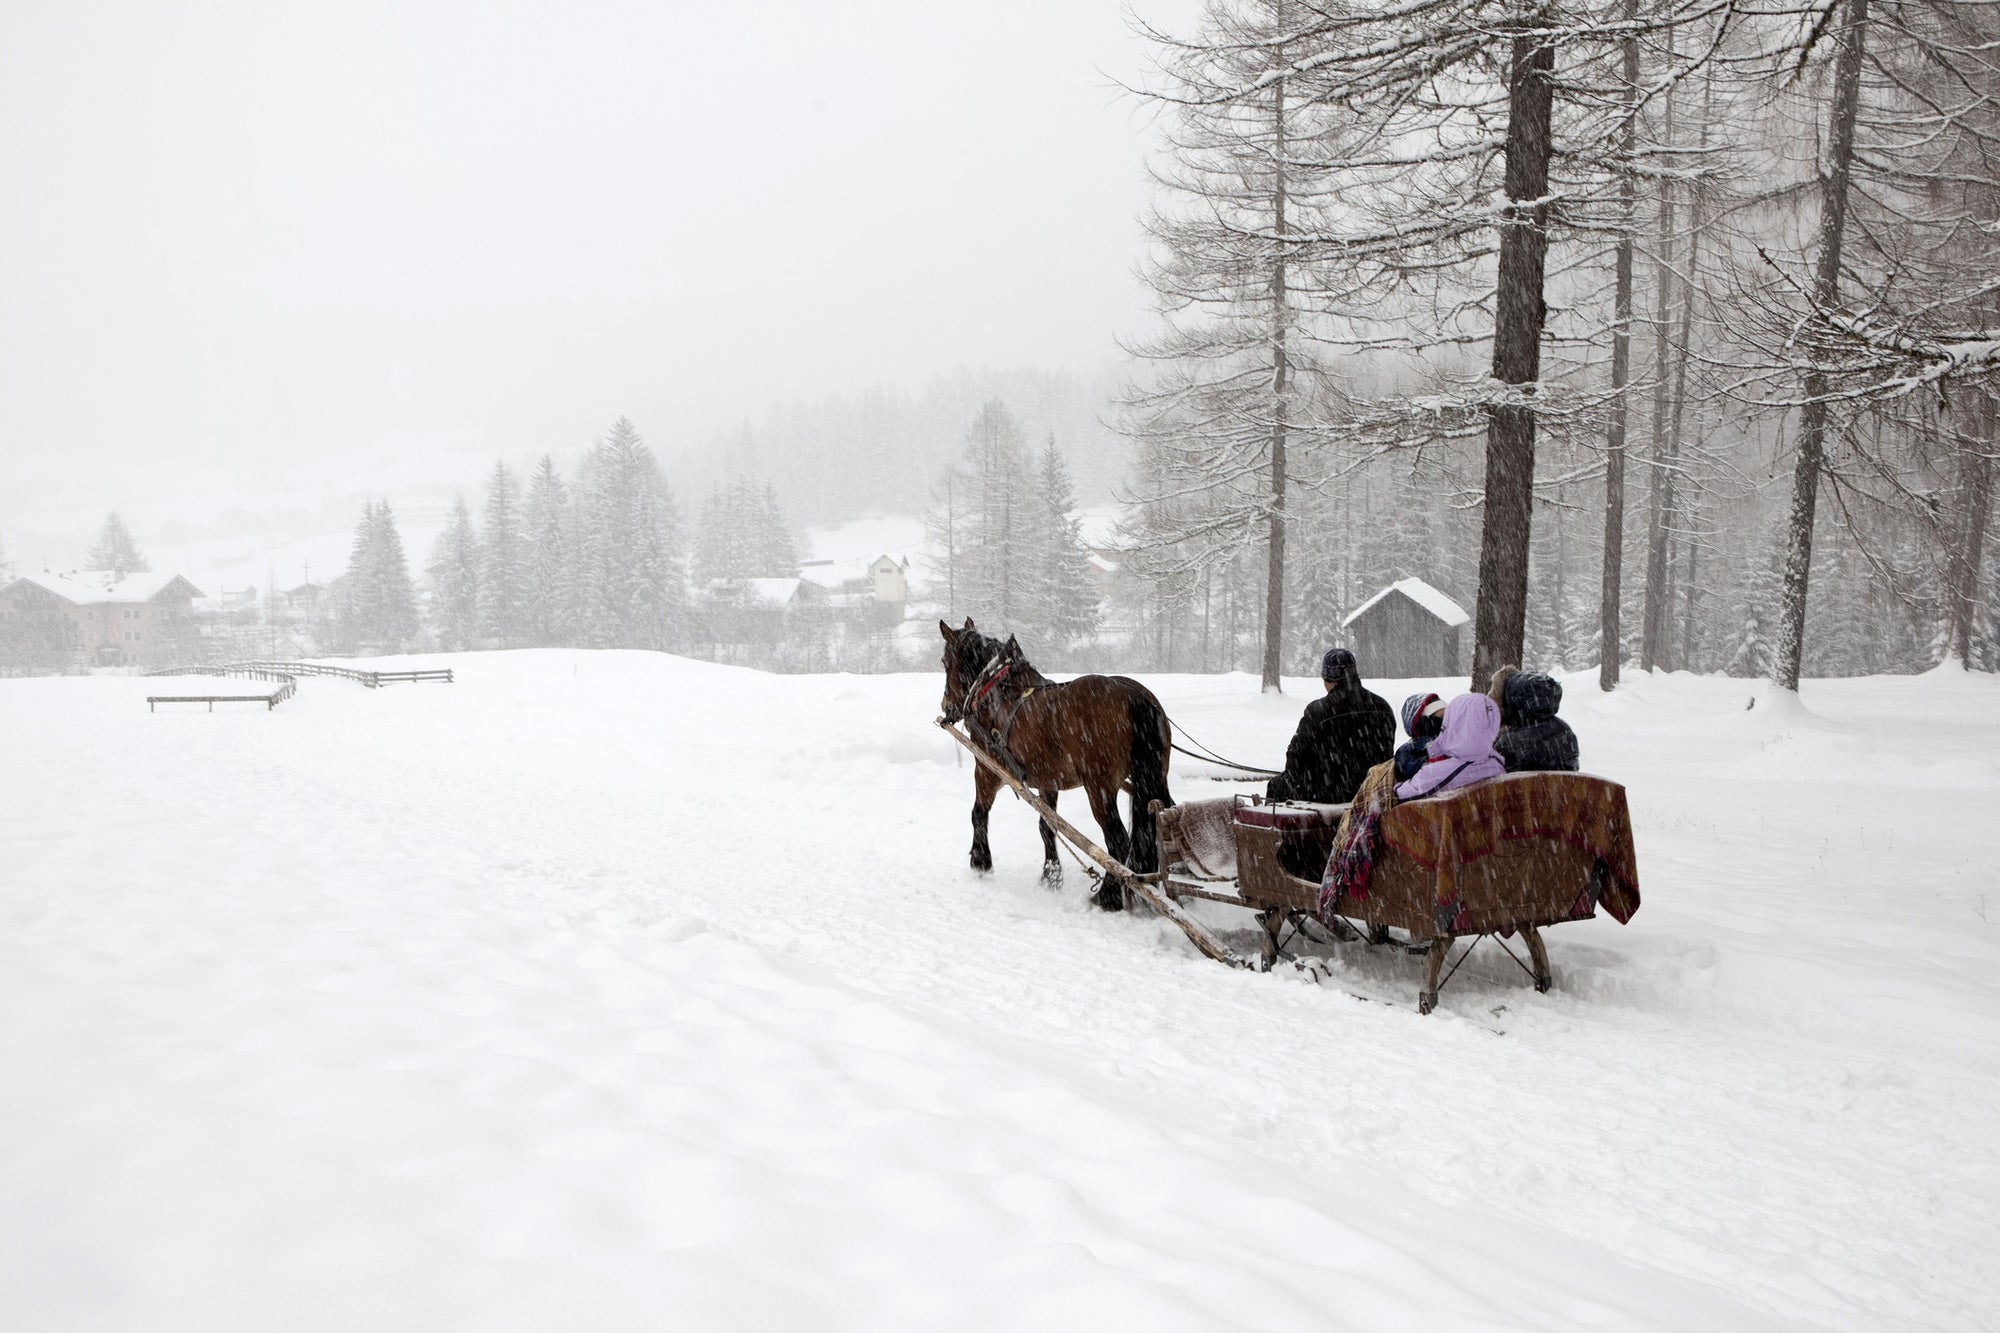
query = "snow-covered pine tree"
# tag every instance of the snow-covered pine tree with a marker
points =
(1753, 652)
(778, 547)
(351, 592)
(114, 548)
(1173, 584)
(658, 597)
(549, 590)
(744, 534)
(945, 537)
(503, 563)
(595, 512)
(719, 536)
(376, 610)
(1061, 600)
(1227, 404)
(397, 599)
(981, 525)
(1314, 582)
(630, 550)
(454, 571)
(604, 539)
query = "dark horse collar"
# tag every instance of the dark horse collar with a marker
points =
(995, 671)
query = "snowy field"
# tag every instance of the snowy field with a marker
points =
(616, 991)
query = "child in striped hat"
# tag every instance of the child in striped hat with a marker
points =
(1423, 718)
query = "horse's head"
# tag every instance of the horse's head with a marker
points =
(968, 655)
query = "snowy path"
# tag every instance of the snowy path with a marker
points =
(616, 991)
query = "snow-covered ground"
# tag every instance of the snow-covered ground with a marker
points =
(616, 991)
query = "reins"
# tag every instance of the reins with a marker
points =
(998, 669)
(1209, 756)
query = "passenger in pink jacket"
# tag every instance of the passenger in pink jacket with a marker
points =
(1463, 752)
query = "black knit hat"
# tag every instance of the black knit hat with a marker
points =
(1336, 661)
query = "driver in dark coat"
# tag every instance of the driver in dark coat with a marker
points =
(1343, 734)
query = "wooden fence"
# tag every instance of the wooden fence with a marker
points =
(287, 686)
(372, 679)
(286, 674)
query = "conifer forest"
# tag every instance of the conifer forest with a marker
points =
(1669, 325)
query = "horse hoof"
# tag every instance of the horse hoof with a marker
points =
(1052, 876)
(1109, 898)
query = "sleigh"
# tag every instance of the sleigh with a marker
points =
(1507, 857)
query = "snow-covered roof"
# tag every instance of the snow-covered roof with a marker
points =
(1423, 594)
(1097, 527)
(833, 574)
(89, 587)
(773, 592)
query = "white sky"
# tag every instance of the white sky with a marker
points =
(235, 236)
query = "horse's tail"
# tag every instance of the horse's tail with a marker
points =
(1152, 738)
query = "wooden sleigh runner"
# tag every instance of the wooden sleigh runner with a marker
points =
(1507, 856)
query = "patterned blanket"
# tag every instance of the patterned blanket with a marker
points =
(1352, 862)
(1447, 834)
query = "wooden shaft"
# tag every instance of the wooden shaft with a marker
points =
(1196, 932)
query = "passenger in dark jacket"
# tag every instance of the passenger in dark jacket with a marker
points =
(1423, 718)
(1532, 738)
(1343, 734)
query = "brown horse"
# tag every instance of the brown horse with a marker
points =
(1100, 733)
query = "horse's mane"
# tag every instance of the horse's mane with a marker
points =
(974, 650)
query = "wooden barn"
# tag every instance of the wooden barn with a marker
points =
(1407, 629)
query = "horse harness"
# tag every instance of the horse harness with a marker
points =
(982, 685)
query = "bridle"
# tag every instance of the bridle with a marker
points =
(996, 670)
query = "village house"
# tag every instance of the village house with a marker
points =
(871, 593)
(881, 581)
(1407, 629)
(87, 618)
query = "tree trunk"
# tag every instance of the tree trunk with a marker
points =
(1659, 490)
(1610, 630)
(1688, 614)
(1826, 290)
(1281, 378)
(1670, 468)
(1671, 473)
(1560, 619)
(1519, 313)
(1975, 484)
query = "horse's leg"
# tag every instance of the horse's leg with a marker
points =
(1052, 872)
(1110, 893)
(985, 787)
